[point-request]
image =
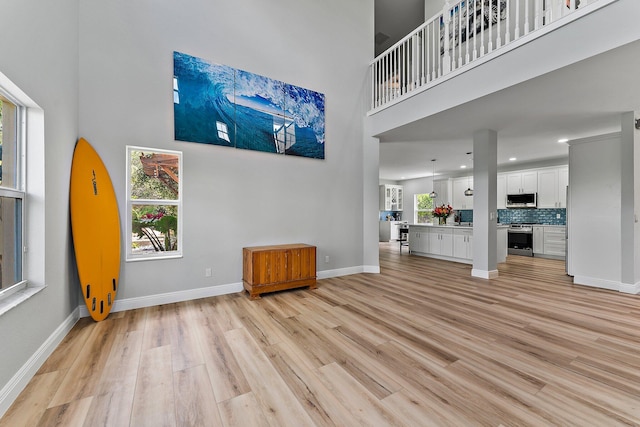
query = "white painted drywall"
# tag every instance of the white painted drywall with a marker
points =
(233, 198)
(595, 197)
(39, 54)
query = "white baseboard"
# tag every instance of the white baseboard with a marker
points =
(326, 274)
(191, 294)
(597, 283)
(19, 381)
(629, 288)
(484, 274)
(168, 298)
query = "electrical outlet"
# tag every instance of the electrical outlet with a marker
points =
(207, 272)
(326, 259)
(557, 216)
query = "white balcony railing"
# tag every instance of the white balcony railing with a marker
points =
(456, 39)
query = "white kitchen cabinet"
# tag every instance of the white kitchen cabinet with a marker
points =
(419, 239)
(501, 191)
(442, 188)
(552, 187)
(391, 197)
(441, 241)
(389, 231)
(463, 243)
(522, 182)
(538, 239)
(460, 201)
(555, 241)
(563, 182)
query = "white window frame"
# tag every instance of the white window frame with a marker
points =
(416, 210)
(130, 256)
(30, 134)
(17, 191)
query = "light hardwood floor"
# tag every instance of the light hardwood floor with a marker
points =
(420, 344)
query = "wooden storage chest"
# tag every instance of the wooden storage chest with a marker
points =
(278, 267)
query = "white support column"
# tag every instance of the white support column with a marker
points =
(485, 160)
(629, 204)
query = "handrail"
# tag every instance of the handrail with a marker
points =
(474, 29)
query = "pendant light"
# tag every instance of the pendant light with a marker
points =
(469, 191)
(433, 193)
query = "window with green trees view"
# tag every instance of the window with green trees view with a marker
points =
(154, 203)
(423, 208)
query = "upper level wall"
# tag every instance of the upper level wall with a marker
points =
(591, 35)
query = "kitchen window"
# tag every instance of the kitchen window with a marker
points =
(423, 209)
(154, 204)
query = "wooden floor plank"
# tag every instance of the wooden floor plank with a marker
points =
(421, 343)
(276, 399)
(243, 410)
(155, 401)
(195, 402)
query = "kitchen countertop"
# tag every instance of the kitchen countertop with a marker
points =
(453, 226)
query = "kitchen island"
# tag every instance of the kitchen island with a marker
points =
(450, 242)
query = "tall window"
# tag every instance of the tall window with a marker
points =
(423, 208)
(11, 192)
(154, 203)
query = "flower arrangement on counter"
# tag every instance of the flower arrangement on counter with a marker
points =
(442, 212)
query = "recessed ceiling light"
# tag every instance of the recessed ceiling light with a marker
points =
(463, 166)
(563, 140)
(511, 159)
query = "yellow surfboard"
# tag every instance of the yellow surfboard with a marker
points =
(95, 225)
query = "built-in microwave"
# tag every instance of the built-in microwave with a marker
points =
(522, 200)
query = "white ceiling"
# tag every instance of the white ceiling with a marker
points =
(584, 99)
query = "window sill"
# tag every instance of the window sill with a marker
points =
(17, 296)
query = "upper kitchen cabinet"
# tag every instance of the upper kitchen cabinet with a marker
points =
(443, 189)
(552, 187)
(391, 197)
(522, 182)
(460, 201)
(501, 192)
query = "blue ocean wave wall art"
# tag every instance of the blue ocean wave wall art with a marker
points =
(219, 105)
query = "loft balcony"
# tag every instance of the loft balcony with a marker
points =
(465, 35)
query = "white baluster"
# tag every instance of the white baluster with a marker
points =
(499, 29)
(468, 35)
(490, 26)
(537, 16)
(526, 16)
(446, 58)
(507, 32)
(425, 54)
(460, 34)
(482, 28)
(516, 30)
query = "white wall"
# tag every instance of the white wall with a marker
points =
(103, 70)
(39, 54)
(410, 188)
(595, 201)
(233, 198)
(433, 7)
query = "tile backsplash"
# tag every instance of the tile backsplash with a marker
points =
(536, 216)
(396, 214)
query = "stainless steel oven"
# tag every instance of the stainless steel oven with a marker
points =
(520, 239)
